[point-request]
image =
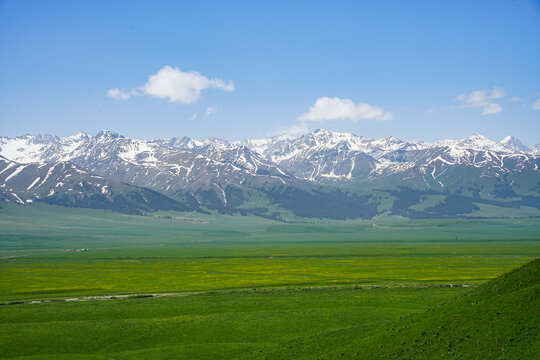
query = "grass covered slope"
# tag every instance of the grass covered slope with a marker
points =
(498, 320)
(213, 325)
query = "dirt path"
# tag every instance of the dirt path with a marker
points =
(229, 291)
(392, 228)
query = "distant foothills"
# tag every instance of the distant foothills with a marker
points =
(320, 175)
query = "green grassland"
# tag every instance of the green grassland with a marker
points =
(204, 326)
(498, 320)
(237, 285)
(165, 270)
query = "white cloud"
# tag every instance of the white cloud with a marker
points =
(333, 108)
(515, 99)
(210, 111)
(477, 98)
(175, 85)
(491, 109)
(536, 105)
(118, 94)
(194, 116)
(294, 130)
(482, 98)
(497, 93)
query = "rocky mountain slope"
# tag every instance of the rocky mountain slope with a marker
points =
(63, 183)
(296, 174)
(326, 156)
(171, 166)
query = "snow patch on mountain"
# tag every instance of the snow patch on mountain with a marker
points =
(514, 144)
(179, 163)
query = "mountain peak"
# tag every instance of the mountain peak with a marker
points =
(477, 135)
(322, 131)
(39, 138)
(392, 139)
(108, 134)
(80, 136)
(513, 143)
(479, 142)
(217, 143)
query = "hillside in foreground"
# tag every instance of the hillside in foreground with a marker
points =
(498, 320)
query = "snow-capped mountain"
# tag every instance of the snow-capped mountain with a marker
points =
(282, 148)
(170, 165)
(63, 183)
(173, 167)
(514, 144)
(329, 156)
(279, 172)
(479, 142)
(260, 145)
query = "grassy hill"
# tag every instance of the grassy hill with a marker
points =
(498, 320)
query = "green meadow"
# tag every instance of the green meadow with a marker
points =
(216, 286)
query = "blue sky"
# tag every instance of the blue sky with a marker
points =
(412, 69)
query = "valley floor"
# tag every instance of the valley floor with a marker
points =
(244, 287)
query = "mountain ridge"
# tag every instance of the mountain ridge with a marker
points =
(63, 183)
(266, 176)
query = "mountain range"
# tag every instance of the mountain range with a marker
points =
(322, 174)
